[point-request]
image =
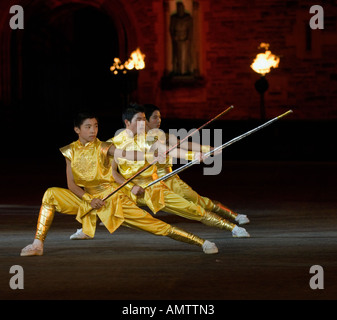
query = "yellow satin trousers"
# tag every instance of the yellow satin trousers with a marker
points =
(176, 204)
(128, 214)
(180, 187)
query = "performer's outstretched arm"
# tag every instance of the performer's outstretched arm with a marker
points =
(188, 145)
(177, 152)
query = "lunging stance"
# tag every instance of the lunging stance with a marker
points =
(89, 179)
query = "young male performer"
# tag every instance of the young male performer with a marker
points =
(153, 121)
(89, 180)
(159, 196)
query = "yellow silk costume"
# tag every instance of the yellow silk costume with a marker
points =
(159, 196)
(153, 197)
(175, 183)
(182, 188)
(91, 168)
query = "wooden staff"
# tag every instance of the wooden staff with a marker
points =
(189, 164)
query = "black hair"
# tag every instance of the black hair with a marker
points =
(82, 116)
(149, 109)
(129, 112)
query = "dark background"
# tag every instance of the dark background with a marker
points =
(283, 177)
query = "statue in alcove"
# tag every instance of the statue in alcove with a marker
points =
(181, 24)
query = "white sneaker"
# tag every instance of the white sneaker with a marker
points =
(209, 247)
(239, 232)
(79, 235)
(242, 219)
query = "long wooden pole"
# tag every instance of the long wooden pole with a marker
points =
(189, 164)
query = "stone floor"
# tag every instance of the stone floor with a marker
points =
(291, 205)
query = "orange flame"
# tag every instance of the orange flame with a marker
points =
(136, 61)
(265, 61)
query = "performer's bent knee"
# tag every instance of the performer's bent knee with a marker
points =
(49, 195)
(63, 200)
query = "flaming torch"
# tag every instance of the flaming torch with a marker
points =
(262, 65)
(136, 61)
(126, 74)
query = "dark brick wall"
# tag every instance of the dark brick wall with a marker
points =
(230, 32)
(305, 81)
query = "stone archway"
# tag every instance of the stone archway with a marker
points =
(59, 64)
(66, 57)
(53, 15)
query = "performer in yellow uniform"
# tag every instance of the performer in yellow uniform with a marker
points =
(153, 121)
(89, 179)
(159, 196)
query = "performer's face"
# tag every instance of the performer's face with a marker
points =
(137, 124)
(88, 130)
(155, 120)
